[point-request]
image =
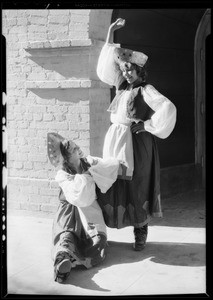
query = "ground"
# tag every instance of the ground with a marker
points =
(173, 261)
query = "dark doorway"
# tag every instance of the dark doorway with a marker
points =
(167, 37)
(207, 131)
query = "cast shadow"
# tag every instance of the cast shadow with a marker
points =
(174, 254)
(64, 61)
(62, 94)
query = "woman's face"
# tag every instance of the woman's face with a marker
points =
(75, 153)
(130, 74)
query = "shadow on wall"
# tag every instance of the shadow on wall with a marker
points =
(175, 254)
(60, 63)
(63, 95)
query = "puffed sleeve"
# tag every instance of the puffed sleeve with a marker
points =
(107, 69)
(78, 189)
(105, 172)
(163, 120)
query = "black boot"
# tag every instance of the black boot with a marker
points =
(140, 237)
(62, 267)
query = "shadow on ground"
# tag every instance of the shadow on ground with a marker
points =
(176, 254)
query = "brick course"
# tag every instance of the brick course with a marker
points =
(51, 86)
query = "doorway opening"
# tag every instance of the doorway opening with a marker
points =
(202, 92)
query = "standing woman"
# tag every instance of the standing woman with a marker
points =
(138, 114)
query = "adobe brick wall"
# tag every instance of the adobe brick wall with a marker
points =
(51, 86)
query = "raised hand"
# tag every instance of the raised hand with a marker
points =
(119, 23)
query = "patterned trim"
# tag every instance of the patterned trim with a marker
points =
(124, 176)
(128, 55)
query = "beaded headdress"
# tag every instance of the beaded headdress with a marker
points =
(53, 148)
(127, 55)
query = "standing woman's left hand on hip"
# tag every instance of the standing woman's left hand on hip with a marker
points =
(137, 127)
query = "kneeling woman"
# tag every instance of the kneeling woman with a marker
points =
(79, 230)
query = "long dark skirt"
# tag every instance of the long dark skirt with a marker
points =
(69, 235)
(134, 202)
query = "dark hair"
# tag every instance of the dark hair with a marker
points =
(66, 165)
(141, 71)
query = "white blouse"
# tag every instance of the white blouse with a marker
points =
(80, 190)
(162, 122)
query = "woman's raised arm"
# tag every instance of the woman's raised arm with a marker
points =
(107, 69)
(119, 23)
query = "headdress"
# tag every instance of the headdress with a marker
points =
(127, 55)
(53, 148)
